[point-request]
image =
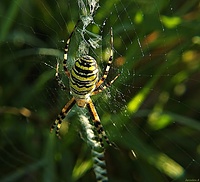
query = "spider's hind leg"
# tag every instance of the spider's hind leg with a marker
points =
(66, 50)
(106, 71)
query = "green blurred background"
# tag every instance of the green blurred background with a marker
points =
(152, 110)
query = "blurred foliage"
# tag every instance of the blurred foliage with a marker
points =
(155, 102)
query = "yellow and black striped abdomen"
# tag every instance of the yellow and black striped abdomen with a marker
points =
(84, 75)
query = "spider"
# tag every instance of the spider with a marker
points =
(84, 82)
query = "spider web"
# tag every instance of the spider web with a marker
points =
(151, 112)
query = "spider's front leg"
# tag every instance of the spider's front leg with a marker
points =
(97, 124)
(57, 123)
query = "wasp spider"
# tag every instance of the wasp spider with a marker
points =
(84, 82)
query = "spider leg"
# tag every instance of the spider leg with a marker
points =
(60, 82)
(97, 124)
(100, 89)
(57, 123)
(109, 61)
(66, 50)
